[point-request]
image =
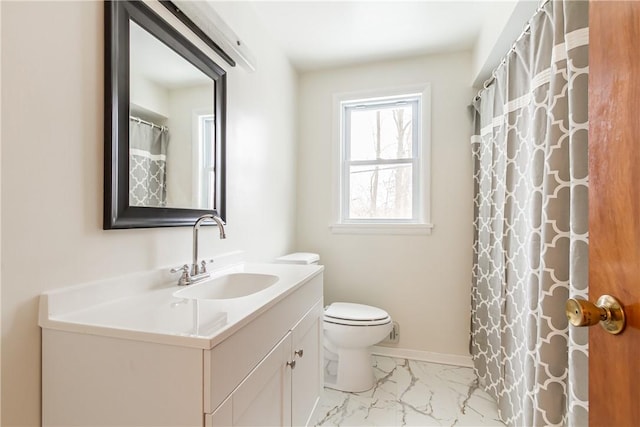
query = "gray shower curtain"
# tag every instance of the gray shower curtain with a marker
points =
(147, 164)
(531, 222)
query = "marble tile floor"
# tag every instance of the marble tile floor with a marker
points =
(412, 393)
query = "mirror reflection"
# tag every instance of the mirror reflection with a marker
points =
(171, 127)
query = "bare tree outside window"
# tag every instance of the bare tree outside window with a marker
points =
(382, 161)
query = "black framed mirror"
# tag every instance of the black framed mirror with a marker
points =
(165, 117)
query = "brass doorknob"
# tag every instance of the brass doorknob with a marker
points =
(607, 311)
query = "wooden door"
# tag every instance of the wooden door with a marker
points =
(614, 207)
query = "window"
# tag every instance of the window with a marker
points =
(203, 161)
(206, 162)
(382, 166)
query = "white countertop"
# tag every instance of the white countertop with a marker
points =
(142, 306)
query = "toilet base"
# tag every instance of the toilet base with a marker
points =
(351, 370)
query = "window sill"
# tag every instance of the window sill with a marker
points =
(405, 229)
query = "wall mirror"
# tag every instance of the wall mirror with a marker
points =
(164, 123)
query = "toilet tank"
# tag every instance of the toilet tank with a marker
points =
(299, 258)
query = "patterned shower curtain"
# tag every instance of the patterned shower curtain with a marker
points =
(147, 164)
(531, 222)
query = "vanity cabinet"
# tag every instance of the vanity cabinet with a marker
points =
(285, 387)
(267, 372)
(307, 375)
(264, 397)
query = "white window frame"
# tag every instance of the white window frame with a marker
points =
(420, 223)
(201, 172)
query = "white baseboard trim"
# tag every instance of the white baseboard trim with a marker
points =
(425, 356)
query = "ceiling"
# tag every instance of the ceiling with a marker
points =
(323, 34)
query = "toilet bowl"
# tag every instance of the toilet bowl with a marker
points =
(350, 330)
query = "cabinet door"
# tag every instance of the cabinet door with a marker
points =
(221, 417)
(307, 378)
(264, 397)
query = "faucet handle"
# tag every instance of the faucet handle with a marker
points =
(182, 269)
(184, 276)
(203, 265)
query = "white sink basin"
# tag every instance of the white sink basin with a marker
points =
(234, 285)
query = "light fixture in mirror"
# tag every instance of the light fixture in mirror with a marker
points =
(164, 127)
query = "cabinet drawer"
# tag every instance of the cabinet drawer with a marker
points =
(227, 364)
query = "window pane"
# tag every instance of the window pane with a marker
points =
(381, 191)
(207, 162)
(381, 133)
(208, 141)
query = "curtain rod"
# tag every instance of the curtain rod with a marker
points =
(139, 120)
(525, 30)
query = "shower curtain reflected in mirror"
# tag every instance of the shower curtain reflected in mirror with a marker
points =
(147, 164)
(531, 223)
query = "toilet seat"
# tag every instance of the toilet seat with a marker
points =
(350, 314)
(349, 332)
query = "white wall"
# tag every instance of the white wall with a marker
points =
(148, 95)
(498, 34)
(184, 103)
(52, 173)
(422, 281)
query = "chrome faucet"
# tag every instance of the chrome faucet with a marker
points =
(198, 271)
(195, 268)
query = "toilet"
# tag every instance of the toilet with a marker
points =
(349, 332)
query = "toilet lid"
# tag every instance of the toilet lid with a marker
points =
(299, 258)
(355, 314)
